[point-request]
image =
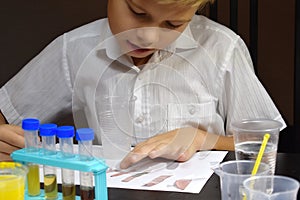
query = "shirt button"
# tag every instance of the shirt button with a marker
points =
(140, 119)
(134, 98)
(192, 110)
(140, 77)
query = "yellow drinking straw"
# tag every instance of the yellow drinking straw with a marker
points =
(260, 154)
(259, 157)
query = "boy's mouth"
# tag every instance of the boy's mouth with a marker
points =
(138, 49)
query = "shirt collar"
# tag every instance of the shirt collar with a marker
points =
(110, 44)
(185, 41)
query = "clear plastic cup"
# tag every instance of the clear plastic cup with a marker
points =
(12, 180)
(116, 126)
(271, 187)
(248, 137)
(233, 173)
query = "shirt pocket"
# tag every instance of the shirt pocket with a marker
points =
(198, 115)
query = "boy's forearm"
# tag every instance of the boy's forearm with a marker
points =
(213, 141)
(225, 143)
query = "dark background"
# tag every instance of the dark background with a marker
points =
(28, 26)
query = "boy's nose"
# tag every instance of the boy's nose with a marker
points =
(147, 36)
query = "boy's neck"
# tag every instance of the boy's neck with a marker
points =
(141, 61)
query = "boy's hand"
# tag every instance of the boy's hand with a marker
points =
(179, 144)
(11, 139)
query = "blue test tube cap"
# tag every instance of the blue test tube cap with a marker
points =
(84, 134)
(48, 129)
(30, 124)
(65, 131)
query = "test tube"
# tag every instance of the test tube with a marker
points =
(65, 135)
(30, 127)
(48, 132)
(85, 137)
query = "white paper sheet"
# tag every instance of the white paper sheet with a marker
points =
(161, 174)
(165, 175)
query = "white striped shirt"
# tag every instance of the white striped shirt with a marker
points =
(204, 79)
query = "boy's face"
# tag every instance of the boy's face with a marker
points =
(143, 26)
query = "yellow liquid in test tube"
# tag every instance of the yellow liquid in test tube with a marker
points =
(50, 186)
(12, 187)
(33, 180)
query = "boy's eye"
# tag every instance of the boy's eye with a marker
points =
(135, 11)
(138, 13)
(173, 26)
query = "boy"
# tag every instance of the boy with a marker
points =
(191, 78)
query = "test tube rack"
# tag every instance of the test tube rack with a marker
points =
(95, 165)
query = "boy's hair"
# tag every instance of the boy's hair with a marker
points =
(198, 3)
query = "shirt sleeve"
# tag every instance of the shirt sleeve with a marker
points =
(42, 89)
(244, 97)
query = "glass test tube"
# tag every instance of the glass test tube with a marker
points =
(85, 137)
(30, 127)
(48, 133)
(65, 135)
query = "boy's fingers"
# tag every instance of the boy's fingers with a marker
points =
(185, 156)
(6, 148)
(142, 151)
(5, 157)
(18, 130)
(10, 127)
(13, 138)
(159, 151)
(131, 158)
